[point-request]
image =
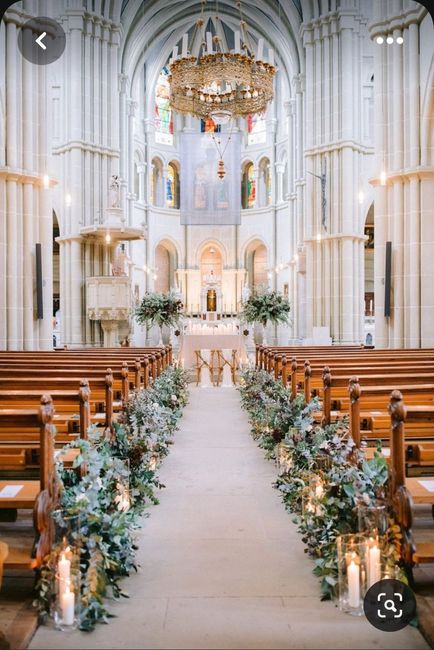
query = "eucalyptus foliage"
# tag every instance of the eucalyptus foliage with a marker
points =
(127, 463)
(266, 306)
(329, 452)
(159, 308)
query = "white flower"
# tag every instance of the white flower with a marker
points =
(174, 398)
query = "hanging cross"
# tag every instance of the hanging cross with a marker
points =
(323, 179)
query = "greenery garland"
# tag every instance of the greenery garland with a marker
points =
(106, 532)
(347, 477)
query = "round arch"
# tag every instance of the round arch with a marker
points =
(206, 244)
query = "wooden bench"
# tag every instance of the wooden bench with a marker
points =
(37, 495)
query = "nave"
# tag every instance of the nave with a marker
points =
(221, 563)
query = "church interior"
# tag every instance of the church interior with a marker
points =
(216, 267)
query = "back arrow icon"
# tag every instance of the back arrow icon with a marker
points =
(39, 40)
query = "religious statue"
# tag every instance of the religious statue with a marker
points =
(245, 293)
(115, 192)
(119, 263)
(200, 187)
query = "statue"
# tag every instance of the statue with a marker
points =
(119, 263)
(115, 192)
(245, 293)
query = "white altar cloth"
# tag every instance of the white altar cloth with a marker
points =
(192, 342)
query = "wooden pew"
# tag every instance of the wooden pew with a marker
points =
(37, 495)
(405, 492)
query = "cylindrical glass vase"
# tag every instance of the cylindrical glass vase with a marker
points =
(66, 587)
(352, 567)
(372, 519)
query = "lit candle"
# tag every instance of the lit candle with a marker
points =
(237, 43)
(260, 49)
(319, 490)
(175, 53)
(374, 566)
(209, 43)
(67, 601)
(64, 567)
(271, 56)
(353, 572)
(184, 45)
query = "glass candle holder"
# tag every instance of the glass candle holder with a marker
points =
(372, 519)
(67, 599)
(310, 504)
(66, 588)
(352, 567)
(283, 459)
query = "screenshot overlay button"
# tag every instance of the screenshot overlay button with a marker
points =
(41, 40)
(389, 605)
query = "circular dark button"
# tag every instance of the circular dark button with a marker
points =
(41, 40)
(389, 605)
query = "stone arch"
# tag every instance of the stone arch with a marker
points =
(255, 256)
(206, 244)
(166, 264)
(157, 182)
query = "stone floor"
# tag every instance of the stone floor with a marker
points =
(222, 565)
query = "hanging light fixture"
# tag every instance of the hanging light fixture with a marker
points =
(221, 84)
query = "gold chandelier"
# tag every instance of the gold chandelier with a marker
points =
(221, 84)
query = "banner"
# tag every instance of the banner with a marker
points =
(207, 200)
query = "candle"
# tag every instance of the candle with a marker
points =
(209, 43)
(353, 574)
(374, 566)
(319, 490)
(184, 45)
(271, 56)
(64, 567)
(175, 53)
(260, 49)
(67, 605)
(237, 43)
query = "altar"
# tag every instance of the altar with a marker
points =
(215, 336)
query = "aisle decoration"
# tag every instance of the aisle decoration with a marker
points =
(266, 306)
(325, 481)
(118, 486)
(161, 309)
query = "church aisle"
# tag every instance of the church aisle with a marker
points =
(222, 565)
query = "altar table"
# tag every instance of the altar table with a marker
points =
(192, 342)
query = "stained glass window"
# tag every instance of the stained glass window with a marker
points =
(209, 126)
(172, 187)
(256, 129)
(249, 186)
(163, 112)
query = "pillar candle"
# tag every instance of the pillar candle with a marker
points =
(271, 56)
(209, 43)
(260, 49)
(184, 45)
(353, 574)
(67, 601)
(175, 53)
(374, 566)
(64, 568)
(237, 43)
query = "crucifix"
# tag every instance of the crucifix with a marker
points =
(323, 180)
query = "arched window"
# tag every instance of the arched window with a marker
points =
(163, 112)
(264, 190)
(157, 193)
(172, 186)
(256, 129)
(248, 190)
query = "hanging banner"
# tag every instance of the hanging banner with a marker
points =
(207, 200)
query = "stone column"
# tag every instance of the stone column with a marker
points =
(131, 110)
(280, 168)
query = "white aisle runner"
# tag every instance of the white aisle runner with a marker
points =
(222, 565)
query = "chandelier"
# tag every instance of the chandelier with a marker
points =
(220, 84)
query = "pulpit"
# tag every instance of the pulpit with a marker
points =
(108, 300)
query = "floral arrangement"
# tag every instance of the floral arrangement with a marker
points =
(119, 485)
(160, 309)
(327, 453)
(266, 306)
